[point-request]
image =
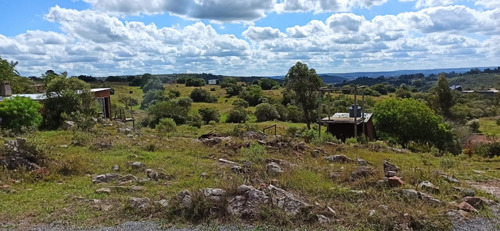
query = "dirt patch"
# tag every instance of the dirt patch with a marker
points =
(491, 187)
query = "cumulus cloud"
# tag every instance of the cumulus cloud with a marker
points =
(262, 33)
(319, 6)
(490, 4)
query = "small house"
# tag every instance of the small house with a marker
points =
(213, 82)
(342, 125)
(456, 88)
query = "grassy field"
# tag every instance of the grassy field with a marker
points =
(489, 126)
(68, 197)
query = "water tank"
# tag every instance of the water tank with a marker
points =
(358, 111)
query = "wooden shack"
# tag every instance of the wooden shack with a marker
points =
(342, 125)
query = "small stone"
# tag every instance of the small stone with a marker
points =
(242, 189)
(139, 203)
(335, 175)
(332, 212)
(183, 193)
(372, 212)
(138, 165)
(339, 159)
(63, 146)
(104, 178)
(103, 190)
(450, 179)
(137, 188)
(388, 166)
(204, 175)
(476, 202)
(410, 193)
(273, 169)
(428, 198)
(362, 162)
(465, 191)
(215, 194)
(187, 202)
(467, 207)
(322, 219)
(237, 169)
(163, 203)
(362, 172)
(395, 181)
(115, 168)
(428, 186)
(358, 191)
(390, 173)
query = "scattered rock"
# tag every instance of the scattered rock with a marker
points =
(104, 178)
(301, 146)
(478, 172)
(137, 188)
(339, 159)
(163, 203)
(204, 175)
(362, 172)
(476, 202)
(103, 145)
(390, 173)
(215, 194)
(242, 189)
(465, 191)
(388, 166)
(186, 200)
(331, 211)
(137, 165)
(449, 178)
(410, 193)
(247, 203)
(428, 186)
(273, 169)
(322, 219)
(395, 181)
(290, 203)
(124, 130)
(63, 146)
(154, 175)
(237, 169)
(372, 212)
(139, 203)
(467, 207)
(362, 162)
(115, 168)
(428, 198)
(103, 190)
(254, 135)
(335, 175)
(127, 179)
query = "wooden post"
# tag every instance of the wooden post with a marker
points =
(355, 112)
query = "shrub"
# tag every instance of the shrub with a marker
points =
(292, 131)
(166, 125)
(351, 140)
(282, 111)
(174, 93)
(209, 114)
(195, 82)
(239, 129)
(240, 103)
(195, 120)
(237, 115)
(474, 125)
(252, 94)
(268, 84)
(177, 109)
(20, 112)
(447, 162)
(309, 135)
(295, 114)
(327, 137)
(152, 97)
(233, 89)
(153, 84)
(266, 112)
(201, 95)
(212, 122)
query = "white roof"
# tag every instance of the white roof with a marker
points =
(42, 96)
(99, 89)
(345, 118)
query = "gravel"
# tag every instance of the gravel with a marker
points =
(479, 223)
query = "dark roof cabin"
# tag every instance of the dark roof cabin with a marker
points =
(342, 125)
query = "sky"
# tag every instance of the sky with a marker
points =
(247, 37)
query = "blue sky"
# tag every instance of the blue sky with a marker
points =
(252, 37)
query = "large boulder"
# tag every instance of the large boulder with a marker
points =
(428, 186)
(339, 159)
(105, 178)
(215, 194)
(287, 201)
(273, 169)
(139, 203)
(247, 202)
(363, 171)
(388, 166)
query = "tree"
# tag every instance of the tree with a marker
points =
(20, 112)
(7, 70)
(305, 83)
(444, 96)
(67, 98)
(252, 94)
(152, 97)
(177, 109)
(237, 115)
(145, 79)
(209, 114)
(266, 112)
(267, 83)
(201, 95)
(153, 84)
(406, 120)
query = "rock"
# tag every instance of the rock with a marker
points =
(465, 191)
(137, 188)
(390, 173)
(127, 179)
(63, 146)
(154, 175)
(331, 211)
(242, 189)
(339, 159)
(395, 181)
(247, 204)
(237, 169)
(322, 219)
(138, 165)
(362, 162)
(204, 175)
(372, 212)
(215, 194)
(478, 172)
(301, 146)
(450, 179)
(104, 178)
(186, 200)
(428, 198)
(290, 203)
(476, 202)
(467, 207)
(124, 130)
(335, 175)
(362, 172)
(183, 193)
(139, 203)
(410, 193)
(388, 166)
(103, 190)
(273, 169)
(163, 203)
(428, 186)
(358, 191)
(115, 168)
(68, 125)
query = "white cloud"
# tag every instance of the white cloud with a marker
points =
(490, 4)
(262, 33)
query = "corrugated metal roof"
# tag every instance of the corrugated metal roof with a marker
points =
(345, 118)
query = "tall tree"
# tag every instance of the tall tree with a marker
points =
(305, 83)
(444, 96)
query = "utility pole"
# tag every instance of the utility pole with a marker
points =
(355, 112)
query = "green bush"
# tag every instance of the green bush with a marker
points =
(209, 114)
(201, 95)
(295, 114)
(19, 112)
(239, 129)
(447, 162)
(255, 153)
(153, 84)
(152, 97)
(174, 93)
(177, 109)
(292, 131)
(266, 112)
(309, 135)
(237, 115)
(195, 82)
(252, 94)
(327, 137)
(351, 140)
(474, 125)
(166, 125)
(240, 103)
(282, 111)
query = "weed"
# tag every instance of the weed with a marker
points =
(256, 153)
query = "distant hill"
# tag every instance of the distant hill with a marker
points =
(477, 81)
